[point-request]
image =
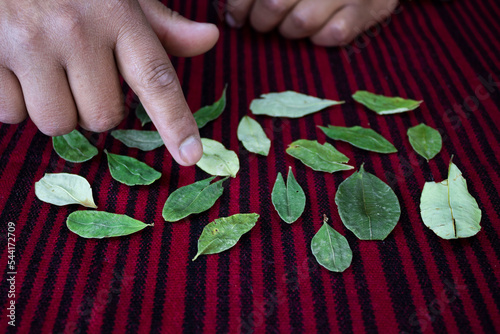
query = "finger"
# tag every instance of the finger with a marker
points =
(93, 78)
(267, 14)
(12, 108)
(47, 96)
(308, 17)
(145, 66)
(180, 37)
(342, 28)
(237, 12)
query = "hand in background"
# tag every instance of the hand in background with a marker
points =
(325, 22)
(60, 62)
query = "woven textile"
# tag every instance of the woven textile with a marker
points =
(444, 53)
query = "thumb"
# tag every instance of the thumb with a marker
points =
(180, 37)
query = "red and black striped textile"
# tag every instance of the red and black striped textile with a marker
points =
(444, 53)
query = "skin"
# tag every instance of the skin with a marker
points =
(324, 22)
(60, 62)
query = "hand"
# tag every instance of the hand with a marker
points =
(60, 59)
(325, 22)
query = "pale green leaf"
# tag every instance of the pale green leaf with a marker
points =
(384, 105)
(331, 249)
(289, 104)
(141, 139)
(99, 224)
(448, 209)
(131, 171)
(210, 113)
(364, 138)
(194, 198)
(425, 140)
(74, 147)
(217, 160)
(253, 137)
(224, 233)
(142, 115)
(63, 189)
(289, 200)
(323, 158)
(367, 206)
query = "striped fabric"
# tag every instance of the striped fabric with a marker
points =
(445, 53)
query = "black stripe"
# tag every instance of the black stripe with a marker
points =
(343, 312)
(11, 145)
(116, 282)
(246, 295)
(195, 295)
(320, 309)
(351, 118)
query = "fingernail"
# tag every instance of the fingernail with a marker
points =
(191, 150)
(232, 22)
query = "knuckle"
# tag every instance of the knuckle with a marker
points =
(339, 33)
(53, 129)
(103, 120)
(302, 23)
(276, 7)
(159, 77)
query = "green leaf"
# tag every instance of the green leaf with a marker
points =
(253, 137)
(425, 140)
(143, 140)
(289, 200)
(142, 115)
(194, 198)
(367, 206)
(323, 158)
(99, 224)
(74, 147)
(331, 249)
(364, 138)
(384, 105)
(448, 209)
(224, 233)
(130, 171)
(289, 104)
(63, 189)
(209, 113)
(217, 160)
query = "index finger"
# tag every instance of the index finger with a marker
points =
(147, 69)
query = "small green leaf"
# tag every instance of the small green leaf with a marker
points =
(331, 249)
(289, 104)
(323, 158)
(63, 189)
(74, 147)
(130, 171)
(425, 140)
(448, 209)
(194, 198)
(99, 224)
(367, 206)
(209, 113)
(224, 233)
(384, 105)
(142, 115)
(364, 138)
(143, 140)
(253, 137)
(289, 200)
(217, 160)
